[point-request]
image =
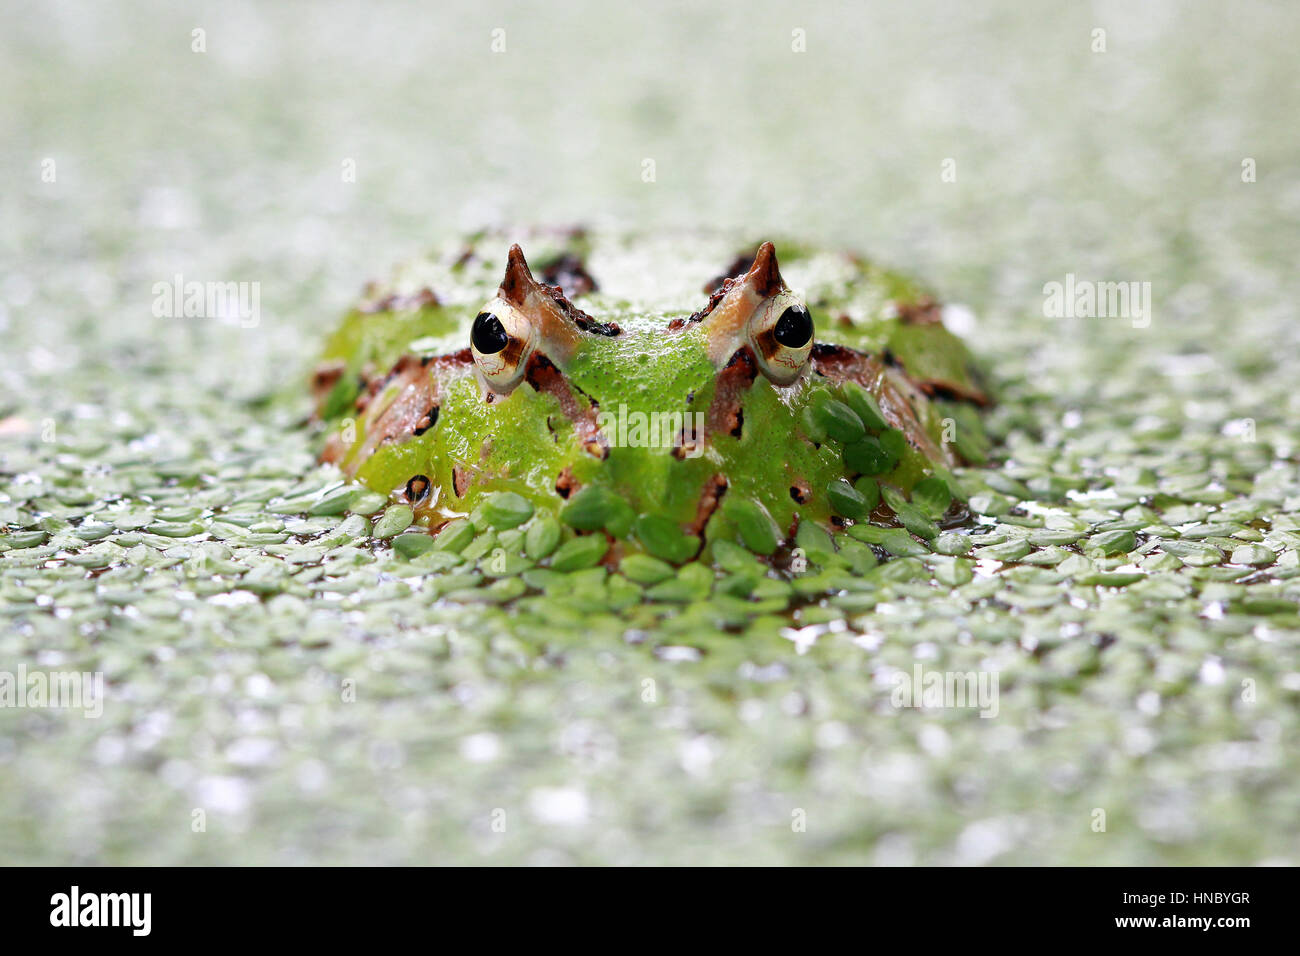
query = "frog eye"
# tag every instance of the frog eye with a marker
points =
(501, 341)
(781, 333)
(488, 335)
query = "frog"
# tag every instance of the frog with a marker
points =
(675, 396)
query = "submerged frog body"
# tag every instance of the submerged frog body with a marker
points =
(629, 395)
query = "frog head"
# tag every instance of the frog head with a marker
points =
(738, 420)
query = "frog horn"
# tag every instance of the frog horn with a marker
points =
(518, 280)
(764, 276)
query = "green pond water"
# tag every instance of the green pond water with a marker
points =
(285, 687)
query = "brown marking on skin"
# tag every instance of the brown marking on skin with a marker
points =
(424, 298)
(543, 375)
(934, 388)
(512, 354)
(924, 311)
(569, 274)
(710, 498)
(334, 449)
(769, 346)
(714, 298)
(800, 491)
(579, 318)
(325, 377)
(725, 415)
(565, 483)
(428, 421)
(460, 480)
(413, 408)
(688, 441)
(947, 390)
(897, 394)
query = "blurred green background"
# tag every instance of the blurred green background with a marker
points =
(229, 164)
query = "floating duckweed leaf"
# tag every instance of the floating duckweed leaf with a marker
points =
(1254, 554)
(583, 551)
(501, 591)
(664, 539)
(622, 592)
(368, 503)
(894, 540)
(868, 456)
(595, 508)
(176, 529)
(1012, 550)
(644, 569)
(395, 520)
(732, 557)
(814, 539)
(953, 544)
(932, 496)
(93, 531)
(839, 421)
(512, 540)
(864, 404)
(691, 583)
(812, 425)
(437, 561)
(501, 563)
(335, 502)
(954, 572)
(484, 543)
(542, 537)
(1112, 542)
(454, 536)
(413, 544)
(737, 585)
(755, 525)
(859, 556)
(23, 539)
(869, 489)
(917, 523)
(506, 509)
(1049, 538)
(1109, 579)
(990, 504)
(847, 500)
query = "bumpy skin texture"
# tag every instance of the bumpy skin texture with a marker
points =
(674, 335)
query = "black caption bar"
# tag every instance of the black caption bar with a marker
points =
(332, 906)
